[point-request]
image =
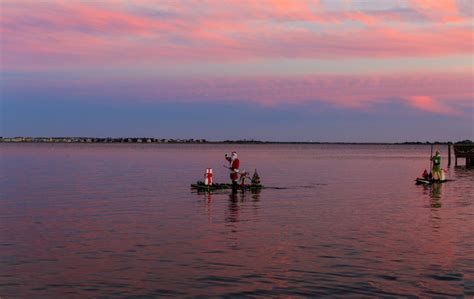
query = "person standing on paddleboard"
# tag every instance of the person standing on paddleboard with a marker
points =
(234, 164)
(436, 171)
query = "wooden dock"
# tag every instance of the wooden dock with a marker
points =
(464, 150)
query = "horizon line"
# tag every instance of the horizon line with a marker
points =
(128, 139)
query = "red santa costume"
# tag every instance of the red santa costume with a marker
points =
(234, 165)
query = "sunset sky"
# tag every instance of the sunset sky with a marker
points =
(364, 71)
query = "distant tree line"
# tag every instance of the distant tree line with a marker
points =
(99, 140)
(172, 140)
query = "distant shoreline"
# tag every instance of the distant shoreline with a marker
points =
(149, 140)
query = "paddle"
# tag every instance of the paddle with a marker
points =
(431, 158)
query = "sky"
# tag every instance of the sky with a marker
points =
(277, 70)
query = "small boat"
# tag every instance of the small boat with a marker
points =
(200, 186)
(254, 185)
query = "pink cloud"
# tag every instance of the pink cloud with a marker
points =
(429, 104)
(47, 35)
(442, 93)
(210, 45)
(442, 11)
(102, 17)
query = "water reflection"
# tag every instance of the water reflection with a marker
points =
(236, 199)
(233, 215)
(435, 204)
(435, 195)
(245, 195)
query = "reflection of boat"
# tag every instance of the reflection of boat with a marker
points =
(422, 181)
(200, 186)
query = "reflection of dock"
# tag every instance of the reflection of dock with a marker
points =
(464, 151)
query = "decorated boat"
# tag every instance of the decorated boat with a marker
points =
(208, 185)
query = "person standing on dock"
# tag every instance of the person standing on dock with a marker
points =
(234, 164)
(436, 171)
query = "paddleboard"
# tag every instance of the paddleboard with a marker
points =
(421, 181)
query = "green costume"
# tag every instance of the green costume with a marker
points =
(436, 163)
(436, 171)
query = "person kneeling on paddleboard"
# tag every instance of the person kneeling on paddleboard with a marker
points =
(234, 164)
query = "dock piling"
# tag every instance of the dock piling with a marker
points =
(449, 154)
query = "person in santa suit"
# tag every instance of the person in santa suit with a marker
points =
(234, 164)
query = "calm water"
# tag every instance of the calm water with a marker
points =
(121, 220)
